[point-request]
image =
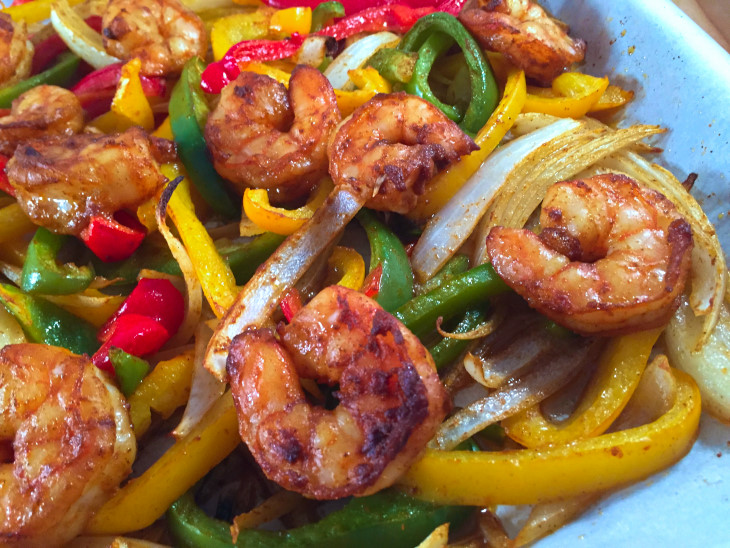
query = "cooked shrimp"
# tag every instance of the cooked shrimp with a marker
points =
(612, 257)
(72, 443)
(526, 35)
(262, 136)
(39, 112)
(391, 400)
(16, 51)
(61, 182)
(391, 146)
(163, 34)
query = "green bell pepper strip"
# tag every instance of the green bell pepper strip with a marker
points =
(188, 112)
(396, 280)
(324, 13)
(242, 258)
(447, 349)
(394, 65)
(42, 274)
(388, 518)
(444, 28)
(59, 75)
(454, 297)
(129, 370)
(456, 265)
(47, 323)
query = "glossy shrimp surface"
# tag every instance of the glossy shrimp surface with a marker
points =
(16, 51)
(72, 443)
(612, 257)
(61, 182)
(41, 111)
(163, 34)
(391, 400)
(392, 146)
(262, 136)
(526, 35)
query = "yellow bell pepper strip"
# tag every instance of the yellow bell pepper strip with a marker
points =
(279, 220)
(613, 97)
(145, 498)
(369, 83)
(216, 278)
(291, 20)
(14, 223)
(445, 184)
(531, 476)
(574, 95)
(165, 389)
(608, 392)
(348, 267)
(235, 28)
(34, 12)
(130, 106)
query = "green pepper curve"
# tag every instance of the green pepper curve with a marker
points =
(59, 75)
(129, 369)
(44, 322)
(42, 274)
(456, 265)
(324, 13)
(453, 298)
(388, 518)
(188, 112)
(386, 249)
(444, 28)
(394, 65)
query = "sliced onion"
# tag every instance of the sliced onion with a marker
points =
(355, 56)
(205, 389)
(540, 382)
(710, 366)
(446, 232)
(260, 296)
(312, 52)
(79, 37)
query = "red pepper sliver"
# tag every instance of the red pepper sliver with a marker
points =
(291, 303)
(155, 298)
(113, 239)
(5, 185)
(394, 17)
(371, 285)
(135, 334)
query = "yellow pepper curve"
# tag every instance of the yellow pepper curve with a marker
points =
(530, 476)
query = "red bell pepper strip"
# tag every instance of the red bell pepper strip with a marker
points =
(135, 334)
(50, 48)
(217, 75)
(371, 286)
(114, 239)
(291, 303)
(5, 185)
(394, 17)
(353, 6)
(96, 90)
(152, 297)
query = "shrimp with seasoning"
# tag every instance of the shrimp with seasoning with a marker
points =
(526, 35)
(62, 182)
(613, 256)
(16, 51)
(391, 400)
(262, 136)
(72, 443)
(162, 34)
(39, 112)
(392, 146)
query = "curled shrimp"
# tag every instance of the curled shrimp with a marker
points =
(16, 51)
(41, 111)
(612, 257)
(72, 443)
(163, 34)
(262, 136)
(391, 146)
(391, 400)
(526, 35)
(62, 182)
